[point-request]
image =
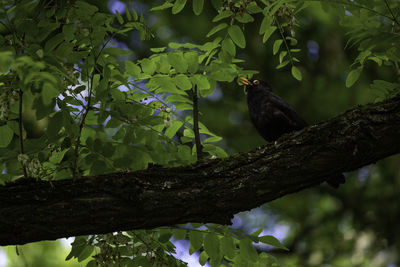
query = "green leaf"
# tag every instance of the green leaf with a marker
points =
(49, 92)
(296, 73)
(178, 6)
(163, 65)
(114, 51)
(353, 76)
(164, 84)
(197, 225)
(174, 45)
(56, 157)
(87, 8)
(192, 59)
(384, 85)
(237, 36)
(128, 14)
(171, 130)
(228, 247)
(183, 82)
(165, 235)
(211, 245)
(69, 31)
(196, 240)
(5, 61)
(177, 60)
(198, 6)
(292, 40)
(277, 45)
(266, 22)
(217, 28)
(188, 133)
(283, 64)
(179, 233)
(212, 139)
(177, 98)
(270, 30)
(184, 106)
(244, 18)
(257, 232)
(270, 240)
(162, 7)
(148, 66)
(85, 253)
(6, 135)
(229, 46)
(203, 258)
(215, 150)
(53, 42)
(201, 81)
(222, 15)
(247, 250)
(253, 8)
(119, 18)
(282, 55)
(158, 49)
(132, 69)
(78, 246)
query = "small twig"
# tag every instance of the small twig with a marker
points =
(199, 147)
(391, 13)
(81, 125)
(282, 33)
(354, 5)
(21, 139)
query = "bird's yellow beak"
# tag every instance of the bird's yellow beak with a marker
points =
(244, 81)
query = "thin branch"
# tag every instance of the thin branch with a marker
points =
(391, 12)
(352, 4)
(199, 148)
(81, 125)
(21, 138)
(284, 41)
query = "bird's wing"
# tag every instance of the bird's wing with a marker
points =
(285, 112)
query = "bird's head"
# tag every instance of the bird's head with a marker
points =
(255, 85)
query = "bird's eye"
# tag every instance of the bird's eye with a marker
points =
(256, 82)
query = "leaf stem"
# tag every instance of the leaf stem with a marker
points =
(199, 147)
(21, 138)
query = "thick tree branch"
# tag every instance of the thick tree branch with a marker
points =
(209, 191)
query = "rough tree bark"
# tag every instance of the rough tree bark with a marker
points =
(210, 191)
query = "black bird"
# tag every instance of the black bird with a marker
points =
(272, 116)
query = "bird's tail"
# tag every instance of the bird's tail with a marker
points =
(336, 181)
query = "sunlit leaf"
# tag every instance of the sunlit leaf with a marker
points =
(276, 46)
(217, 28)
(247, 250)
(270, 240)
(178, 6)
(196, 239)
(179, 233)
(198, 6)
(237, 36)
(353, 76)
(296, 73)
(269, 31)
(224, 14)
(6, 135)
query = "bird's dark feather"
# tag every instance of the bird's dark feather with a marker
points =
(270, 114)
(273, 117)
